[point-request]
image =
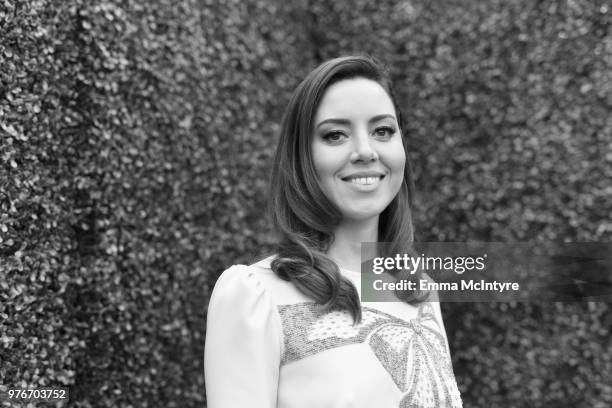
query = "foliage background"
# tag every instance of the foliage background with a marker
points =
(136, 140)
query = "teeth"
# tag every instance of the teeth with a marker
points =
(364, 180)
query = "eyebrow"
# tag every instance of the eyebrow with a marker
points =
(348, 122)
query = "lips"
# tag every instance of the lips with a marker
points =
(364, 179)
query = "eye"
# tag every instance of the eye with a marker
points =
(333, 137)
(384, 132)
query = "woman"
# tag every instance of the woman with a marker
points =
(291, 331)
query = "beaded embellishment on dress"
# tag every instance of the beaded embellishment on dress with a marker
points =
(413, 352)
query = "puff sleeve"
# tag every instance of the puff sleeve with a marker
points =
(243, 343)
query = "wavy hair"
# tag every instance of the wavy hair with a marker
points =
(302, 215)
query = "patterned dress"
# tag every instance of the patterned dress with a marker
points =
(267, 345)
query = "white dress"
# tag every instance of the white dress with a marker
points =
(268, 345)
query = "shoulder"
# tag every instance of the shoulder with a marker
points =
(257, 279)
(239, 280)
(241, 274)
(240, 299)
(240, 308)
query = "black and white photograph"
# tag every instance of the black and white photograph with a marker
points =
(306, 203)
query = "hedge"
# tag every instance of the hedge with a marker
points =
(136, 145)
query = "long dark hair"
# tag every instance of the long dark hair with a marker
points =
(302, 215)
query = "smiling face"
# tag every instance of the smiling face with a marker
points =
(357, 148)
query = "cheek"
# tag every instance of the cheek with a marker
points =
(400, 162)
(320, 164)
(315, 152)
(396, 160)
(327, 161)
(324, 169)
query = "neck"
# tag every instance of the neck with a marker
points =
(348, 236)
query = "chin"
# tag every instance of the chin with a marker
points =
(363, 214)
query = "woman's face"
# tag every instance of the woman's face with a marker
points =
(357, 148)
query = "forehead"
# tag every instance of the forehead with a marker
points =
(354, 98)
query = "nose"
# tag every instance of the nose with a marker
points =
(363, 150)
